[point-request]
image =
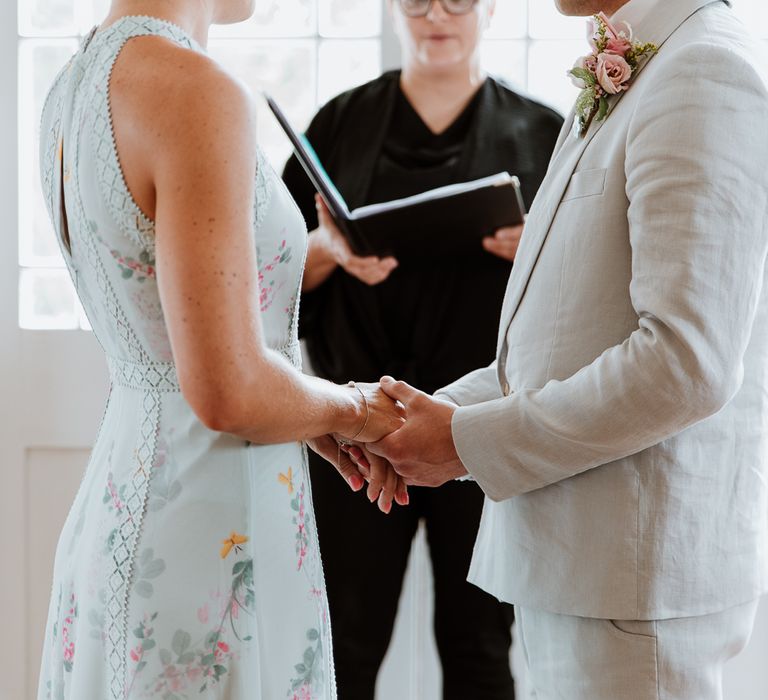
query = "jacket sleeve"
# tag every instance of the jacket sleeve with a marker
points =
(697, 186)
(473, 388)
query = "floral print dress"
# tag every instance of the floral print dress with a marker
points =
(188, 566)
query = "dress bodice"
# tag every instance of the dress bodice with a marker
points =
(111, 256)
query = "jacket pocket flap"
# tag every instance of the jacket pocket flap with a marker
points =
(585, 183)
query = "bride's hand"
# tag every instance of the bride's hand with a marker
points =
(358, 467)
(378, 415)
(328, 448)
(384, 484)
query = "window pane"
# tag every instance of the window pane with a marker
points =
(47, 300)
(548, 64)
(508, 60)
(510, 20)
(275, 18)
(93, 12)
(39, 63)
(547, 23)
(47, 18)
(287, 71)
(344, 64)
(350, 18)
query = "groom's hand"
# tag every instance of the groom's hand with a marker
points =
(422, 451)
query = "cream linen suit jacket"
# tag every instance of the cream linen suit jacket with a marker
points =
(621, 434)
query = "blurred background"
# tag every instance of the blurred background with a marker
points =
(53, 379)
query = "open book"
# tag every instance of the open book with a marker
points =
(449, 220)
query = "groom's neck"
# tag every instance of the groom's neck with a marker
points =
(585, 8)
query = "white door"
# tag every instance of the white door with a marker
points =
(53, 390)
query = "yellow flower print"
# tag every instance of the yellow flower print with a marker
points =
(233, 542)
(287, 479)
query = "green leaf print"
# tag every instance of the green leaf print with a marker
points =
(147, 567)
(310, 670)
(181, 642)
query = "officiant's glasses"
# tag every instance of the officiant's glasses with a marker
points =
(420, 8)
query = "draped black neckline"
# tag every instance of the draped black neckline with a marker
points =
(414, 158)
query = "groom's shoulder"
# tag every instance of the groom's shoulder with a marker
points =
(714, 43)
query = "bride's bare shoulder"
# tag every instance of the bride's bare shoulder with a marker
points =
(156, 81)
(177, 113)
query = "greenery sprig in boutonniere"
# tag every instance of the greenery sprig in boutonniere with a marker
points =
(607, 70)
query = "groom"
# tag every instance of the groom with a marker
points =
(621, 434)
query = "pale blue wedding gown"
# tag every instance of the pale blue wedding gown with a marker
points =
(188, 566)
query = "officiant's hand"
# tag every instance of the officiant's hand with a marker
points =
(331, 248)
(505, 242)
(422, 451)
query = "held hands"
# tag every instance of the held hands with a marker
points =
(505, 242)
(384, 485)
(371, 270)
(376, 415)
(422, 451)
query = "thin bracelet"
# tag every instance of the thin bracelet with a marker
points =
(342, 441)
(367, 409)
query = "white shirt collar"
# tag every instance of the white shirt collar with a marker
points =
(634, 12)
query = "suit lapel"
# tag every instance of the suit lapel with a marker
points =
(663, 21)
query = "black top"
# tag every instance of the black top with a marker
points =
(428, 323)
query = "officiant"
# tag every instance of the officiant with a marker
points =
(440, 120)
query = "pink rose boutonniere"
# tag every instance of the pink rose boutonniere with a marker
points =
(607, 70)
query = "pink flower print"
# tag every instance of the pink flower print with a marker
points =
(68, 646)
(203, 613)
(116, 500)
(268, 288)
(303, 693)
(140, 269)
(302, 536)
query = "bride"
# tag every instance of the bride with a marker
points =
(188, 566)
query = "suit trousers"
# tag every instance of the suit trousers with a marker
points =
(579, 658)
(365, 554)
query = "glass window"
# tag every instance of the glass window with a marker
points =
(300, 51)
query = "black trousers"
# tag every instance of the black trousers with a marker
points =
(365, 553)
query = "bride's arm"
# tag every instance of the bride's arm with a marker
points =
(196, 128)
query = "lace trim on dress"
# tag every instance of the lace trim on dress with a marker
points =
(263, 190)
(127, 214)
(153, 376)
